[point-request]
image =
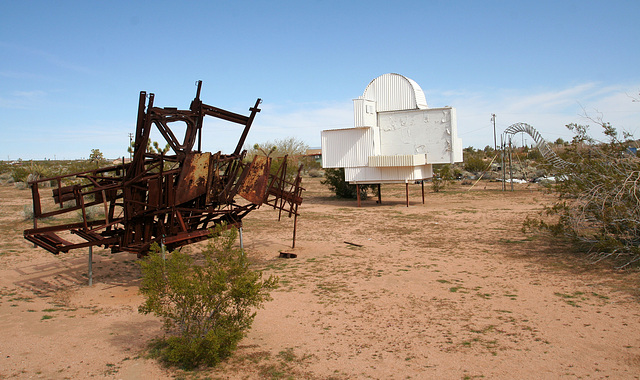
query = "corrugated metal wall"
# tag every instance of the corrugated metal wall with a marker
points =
(347, 147)
(393, 92)
(364, 113)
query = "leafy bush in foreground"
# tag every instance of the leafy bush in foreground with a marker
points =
(207, 306)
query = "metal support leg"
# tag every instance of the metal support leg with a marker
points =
(422, 191)
(358, 193)
(90, 266)
(295, 224)
(379, 195)
(407, 192)
(241, 241)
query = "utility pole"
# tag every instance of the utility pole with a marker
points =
(130, 146)
(495, 142)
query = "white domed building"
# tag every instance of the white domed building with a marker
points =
(396, 137)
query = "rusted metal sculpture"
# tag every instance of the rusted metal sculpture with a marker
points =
(169, 199)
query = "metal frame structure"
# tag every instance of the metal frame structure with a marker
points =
(545, 150)
(168, 199)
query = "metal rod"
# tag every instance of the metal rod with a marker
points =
(295, 224)
(241, 241)
(495, 144)
(36, 198)
(358, 193)
(422, 182)
(510, 167)
(90, 266)
(379, 195)
(504, 173)
(407, 192)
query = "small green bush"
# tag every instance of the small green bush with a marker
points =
(334, 178)
(474, 163)
(32, 171)
(207, 303)
(442, 176)
(315, 173)
(27, 212)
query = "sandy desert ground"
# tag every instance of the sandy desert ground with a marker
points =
(449, 289)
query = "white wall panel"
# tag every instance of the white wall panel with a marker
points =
(432, 132)
(343, 148)
(364, 113)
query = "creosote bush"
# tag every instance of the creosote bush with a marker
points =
(443, 176)
(334, 179)
(474, 163)
(207, 302)
(598, 204)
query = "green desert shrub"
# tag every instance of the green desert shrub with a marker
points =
(334, 179)
(474, 163)
(207, 302)
(598, 203)
(443, 175)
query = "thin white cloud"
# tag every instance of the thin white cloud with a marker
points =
(549, 111)
(547, 101)
(48, 57)
(25, 76)
(30, 94)
(22, 99)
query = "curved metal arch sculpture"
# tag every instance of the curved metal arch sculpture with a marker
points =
(544, 148)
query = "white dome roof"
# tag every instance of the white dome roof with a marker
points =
(394, 92)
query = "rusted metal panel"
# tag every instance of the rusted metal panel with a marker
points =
(254, 186)
(192, 182)
(63, 194)
(154, 194)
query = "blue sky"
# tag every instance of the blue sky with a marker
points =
(71, 71)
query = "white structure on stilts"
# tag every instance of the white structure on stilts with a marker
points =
(396, 137)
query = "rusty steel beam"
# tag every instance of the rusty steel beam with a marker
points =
(173, 198)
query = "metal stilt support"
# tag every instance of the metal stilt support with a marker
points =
(295, 225)
(90, 266)
(407, 192)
